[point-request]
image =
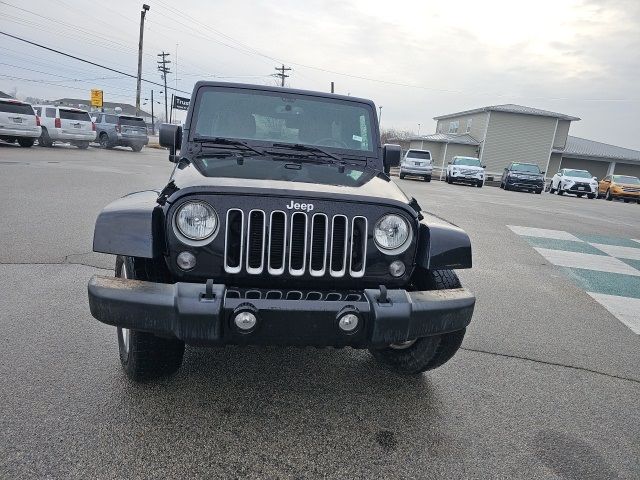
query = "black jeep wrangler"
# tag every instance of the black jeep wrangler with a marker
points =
(279, 226)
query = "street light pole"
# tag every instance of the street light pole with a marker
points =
(380, 116)
(418, 129)
(143, 12)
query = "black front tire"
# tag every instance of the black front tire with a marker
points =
(608, 196)
(401, 176)
(427, 178)
(143, 355)
(136, 148)
(424, 353)
(82, 145)
(26, 142)
(591, 196)
(479, 184)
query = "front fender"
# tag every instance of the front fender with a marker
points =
(442, 245)
(131, 225)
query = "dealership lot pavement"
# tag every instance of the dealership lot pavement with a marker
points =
(546, 386)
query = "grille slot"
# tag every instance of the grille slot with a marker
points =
(255, 241)
(233, 241)
(318, 256)
(358, 246)
(277, 242)
(328, 296)
(339, 232)
(298, 244)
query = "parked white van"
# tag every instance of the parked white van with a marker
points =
(18, 122)
(65, 124)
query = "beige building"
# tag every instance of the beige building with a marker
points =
(501, 134)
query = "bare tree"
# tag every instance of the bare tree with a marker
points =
(387, 134)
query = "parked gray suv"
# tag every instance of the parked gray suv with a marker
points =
(113, 130)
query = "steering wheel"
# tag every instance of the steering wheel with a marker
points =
(332, 143)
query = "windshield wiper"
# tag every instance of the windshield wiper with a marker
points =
(307, 148)
(228, 142)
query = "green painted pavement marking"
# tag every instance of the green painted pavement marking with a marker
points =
(604, 282)
(565, 245)
(622, 242)
(634, 263)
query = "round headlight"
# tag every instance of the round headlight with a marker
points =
(196, 220)
(391, 233)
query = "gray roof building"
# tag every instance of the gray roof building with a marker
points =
(463, 139)
(501, 134)
(590, 148)
(510, 108)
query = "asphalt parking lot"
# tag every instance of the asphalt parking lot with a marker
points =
(546, 385)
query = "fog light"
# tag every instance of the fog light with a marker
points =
(348, 322)
(397, 268)
(186, 260)
(245, 321)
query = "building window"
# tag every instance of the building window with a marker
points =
(469, 122)
(453, 126)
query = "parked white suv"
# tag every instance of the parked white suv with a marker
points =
(577, 182)
(417, 163)
(465, 170)
(65, 124)
(18, 122)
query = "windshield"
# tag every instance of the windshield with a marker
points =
(578, 173)
(259, 168)
(626, 179)
(469, 162)
(525, 167)
(283, 118)
(420, 154)
(74, 115)
(134, 121)
(14, 107)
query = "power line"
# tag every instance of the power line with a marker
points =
(87, 61)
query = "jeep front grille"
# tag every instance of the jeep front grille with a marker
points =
(299, 243)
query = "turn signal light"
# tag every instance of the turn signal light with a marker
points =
(93, 126)
(57, 123)
(37, 120)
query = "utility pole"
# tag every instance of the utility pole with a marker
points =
(143, 13)
(164, 71)
(153, 120)
(418, 129)
(332, 88)
(380, 116)
(282, 75)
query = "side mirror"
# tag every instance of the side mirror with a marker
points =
(542, 173)
(170, 136)
(390, 156)
(448, 163)
(483, 166)
(595, 178)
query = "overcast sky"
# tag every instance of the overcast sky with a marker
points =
(415, 59)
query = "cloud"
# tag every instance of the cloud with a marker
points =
(579, 57)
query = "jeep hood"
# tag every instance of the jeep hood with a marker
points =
(377, 187)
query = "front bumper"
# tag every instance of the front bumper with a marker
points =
(70, 136)
(525, 184)
(467, 177)
(187, 312)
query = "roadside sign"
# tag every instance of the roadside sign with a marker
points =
(96, 98)
(180, 103)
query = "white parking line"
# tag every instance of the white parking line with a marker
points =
(625, 309)
(587, 261)
(543, 233)
(618, 251)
